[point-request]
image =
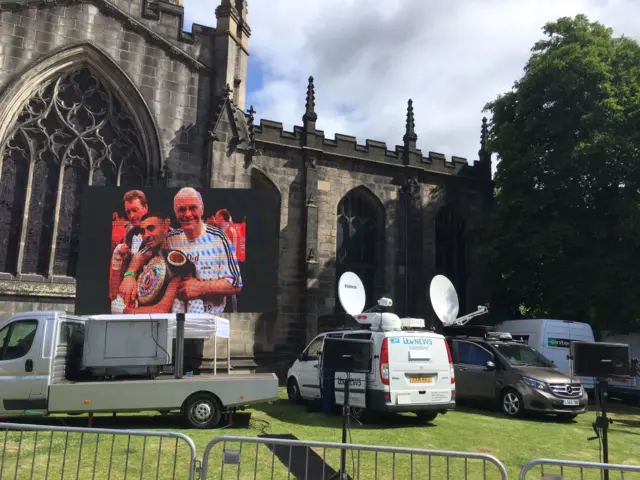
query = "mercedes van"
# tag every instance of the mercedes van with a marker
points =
(496, 369)
(411, 371)
(552, 339)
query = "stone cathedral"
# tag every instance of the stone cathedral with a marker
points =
(172, 111)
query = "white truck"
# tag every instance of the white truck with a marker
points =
(58, 363)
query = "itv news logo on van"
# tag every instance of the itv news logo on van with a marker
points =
(412, 341)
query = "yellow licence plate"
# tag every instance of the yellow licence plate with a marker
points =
(420, 379)
(619, 379)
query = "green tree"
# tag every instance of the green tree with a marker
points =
(563, 238)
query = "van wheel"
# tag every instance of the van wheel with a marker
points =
(512, 403)
(293, 392)
(202, 411)
(426, 417)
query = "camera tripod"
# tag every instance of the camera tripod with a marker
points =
(346, 412)
(601, 424)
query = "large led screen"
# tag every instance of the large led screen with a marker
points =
(170, 250)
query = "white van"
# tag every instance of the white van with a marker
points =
(411, 371)
(551, 338)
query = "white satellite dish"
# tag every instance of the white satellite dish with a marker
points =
(351, 293)
(444, 299)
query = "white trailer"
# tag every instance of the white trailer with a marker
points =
(58, 363)
(625, 386)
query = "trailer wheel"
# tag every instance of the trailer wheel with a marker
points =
(202, 411)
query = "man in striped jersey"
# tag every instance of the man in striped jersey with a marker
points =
(209, 249)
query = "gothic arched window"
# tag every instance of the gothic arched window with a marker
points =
(72, 132)
(360, 239)
(451, 251)
(260, 181)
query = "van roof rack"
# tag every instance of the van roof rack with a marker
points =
(498, 336)
(467, 337)
(349, 328)
(419, 329)
(469, 330)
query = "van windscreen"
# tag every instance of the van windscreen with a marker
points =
(521, 355)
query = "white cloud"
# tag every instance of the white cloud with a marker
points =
(369, 56)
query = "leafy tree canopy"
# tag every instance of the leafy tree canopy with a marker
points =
(564, 235)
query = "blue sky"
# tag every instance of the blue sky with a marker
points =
(370, 56)
(254, 78)
(193, 14)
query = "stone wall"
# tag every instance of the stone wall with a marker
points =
(266, 334)
(170, 70)
(204, 140)
(10, 305)
(335, 180)
(166, 66)
(343, 164)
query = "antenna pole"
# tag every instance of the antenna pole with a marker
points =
(342, 473)
(602, 421)
(179, 360)
(345, 426)
(460, 321)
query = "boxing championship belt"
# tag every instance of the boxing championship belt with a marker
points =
(157, 273)
(153, 281)
(179, 265)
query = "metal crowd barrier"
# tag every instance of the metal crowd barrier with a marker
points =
(568, 469)
(270, 458)
(41, 452)
(45, 451)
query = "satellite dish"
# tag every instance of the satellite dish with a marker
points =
(351, 293)
(444, 299)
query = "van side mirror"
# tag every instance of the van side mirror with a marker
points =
(490, 365)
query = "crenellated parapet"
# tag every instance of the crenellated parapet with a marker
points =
(347, 147)
(170, 15)
(160, 22)
(166, 18)
(407, 156)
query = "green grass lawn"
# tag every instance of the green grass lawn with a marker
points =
(514, 442)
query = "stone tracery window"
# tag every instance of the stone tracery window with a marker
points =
(360, 237)
(72, 132)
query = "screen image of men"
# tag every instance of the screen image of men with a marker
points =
(223, 221)
(217, 271)
(158, 282)
(135, 207)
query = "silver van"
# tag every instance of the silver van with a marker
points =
(496, 369)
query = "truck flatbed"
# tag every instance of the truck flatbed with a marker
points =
(161, 393)
(61, 364)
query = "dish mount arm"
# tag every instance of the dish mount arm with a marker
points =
(460, 321)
